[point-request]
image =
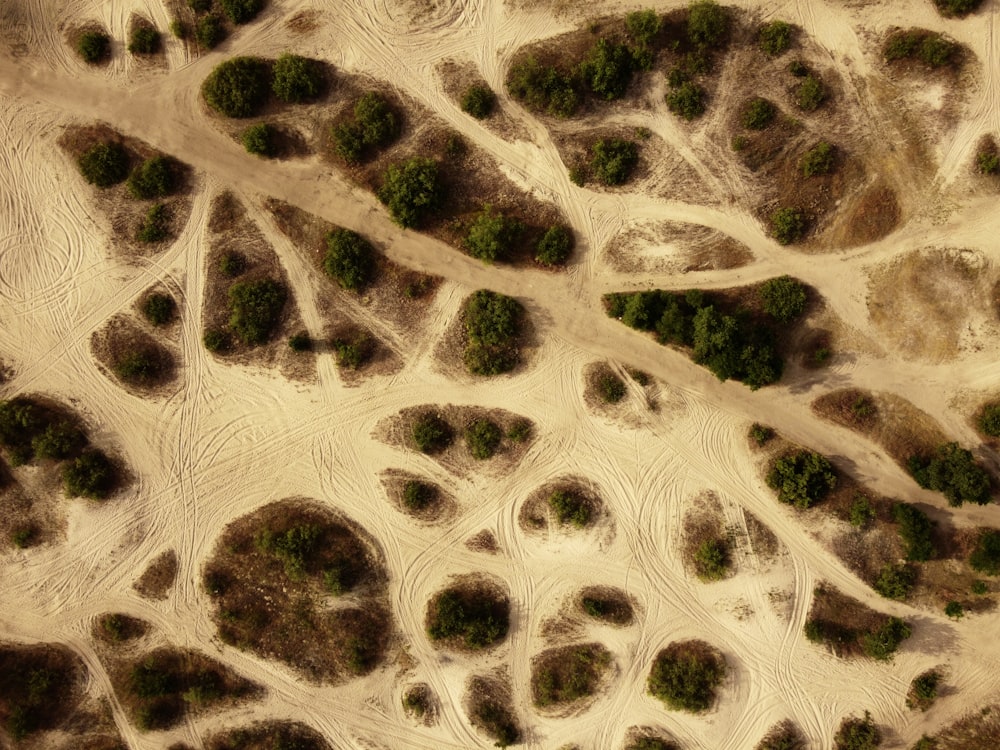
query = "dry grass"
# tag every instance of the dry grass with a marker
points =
(868, 215)
(490, 708)
(114, 628)
(563, 679)
(674, 247)
(607, 604)
(703, 525)
(978, 730)
(457, 77)
(157, 580)
(268, 735)
(483, 541)
(44, 683)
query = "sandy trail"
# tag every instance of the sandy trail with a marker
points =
(233, 438)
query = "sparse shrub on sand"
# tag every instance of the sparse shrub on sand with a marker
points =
(411, 190)
(241, 11)
(985, 558)
(300, 342)
(350, 259)
(94, 46)
(155, 225)
(788, 225)
(857, 734)
(784, 298)
(474, 617)
(989, 419)
(923, 690)
(255, 309)
(775, 37)
(761, 434)
(958, 8)
(479, 101)
(154, 178)
(483, 436)
(91, 475)
(685, 675)
(555, 246)
(431, 434)
(493, 324)
(686, 100)
(802, 479)
(758, 113)
(818, 160)
(568, 674)
(613, 160)
(259, 139)
(144, 40)
(782, 736)
(491, 235)
(571, 507)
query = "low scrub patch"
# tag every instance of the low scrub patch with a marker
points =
(775, 37)
(255, 309)
(238, 87)
(375, 125)
(40, 689)
(479, 101)
(613, 160)
(491, 711)
(849, 628)
(685, 675)
(493, 326)
(269, 735)
(782, 736)
(350, 259)
(609, 605)
(802, 478)
(159, 576)
(491, 236)
(857, 734)
(985, 557)
(930, 48)
(412, 191)
(567, 674)
(923, 690)
(94, 47)
(104, 164)
(954, 472)
(471, 615)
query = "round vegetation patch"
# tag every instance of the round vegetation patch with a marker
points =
(238, 87)
(609, 605)
(296, 79)
(469, 615)
(685, 675)
(483, 436)
(757, 114)
(431, 433)
(568, 674)
(104, 164)
(94, 47)
(479, 101)
(555, 246)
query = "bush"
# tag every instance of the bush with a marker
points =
(570, 507)
(708, 23)
(954, 610)
(916, 530)
(431, 434)
(895, 581)
(988, 162)
(543, 88)
(300, 342)
(104, 164)
(479, 101)
(493, 327)
(900, 45)
(775, 38)
(178, 29)
(556, 245)
(232, 265)
(687, 100)
(985, 558)
(159, 309)
(810, 94)
(607, 69)
(923, 690)
(989, 419)
(784, 298)
(520, 431)
(497, 721)
(782, 736)
(610, 388)
(418, 495)
(145, 40)
(979, 588)
(92, 475)
(643, 26)
(936, 51)
(255, 309)
(684, 676)
(237, 87)
(241, 11)
(788, 225)
(613, 160)
(350, 259)
(155, 226)
(953, 472)
(200, 6)
(711, 560)
(802, 479)
(208, 31)
(216, 340)
(567, 674)
(818, 160)
(798, 68)
(296, 79)
(411, 191)
(857, 734)
(375, 120)
(483, 437)
(757, 114)
(259, 139)
(140, 366)
(354, 352)
(154, 178)
(760, 434)
(94, 46)
(861, 514)
(59, 440)
(492, 235)
(478, 618)
(650, 743)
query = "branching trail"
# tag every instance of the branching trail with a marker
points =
(232, 438)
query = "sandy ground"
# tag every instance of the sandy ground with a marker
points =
(233, 438)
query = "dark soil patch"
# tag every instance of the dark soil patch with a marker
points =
(116, 628)
(121, 342)
(158, 578)
(420, 703)
(562, 677)
(483, 541)
(298, 583)
(41, 689)
(842, 621)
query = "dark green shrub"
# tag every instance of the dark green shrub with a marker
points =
(92, 475)
(145, 40)
(775, 38)
(59, 440)
(916, 531)
(238, 87)
(479, 618)
(418, 495)
(94, 46)
(216, 340)
(985, 558)
(810, 94)
(650, 743)
(570, 507)
(953, 472)
(492, 235)
(979, 588)
(857, 734)
(607, 69)
(564, 675)
(350, 259)
(241, 11)
(478, 101)
(543, 88)
(159, 309)
(936, 51)
(259, 139)
(895, 581)
(296, 79)
(798, 68)
(140, 366)
(988, 162)
(520, 431)
(761, 434)
(232, 265)
(643, 26)
(687, 100)
(411, 191)
(758, 113)
(355, 351)
(883, 642)
(954, 610)
(923, 690)
(613, 160)
(782, 736)
(788, 225)
(493, 327)
(104, 164)
(555, 246)
(497, 721)
(861, 514)
(483, 436)
(377, 123)
(200, 6)
(431, 434)
(154, 178)
(957, 7)
(178, 29)
(708, 23)
(255, 309)
(901, 45)
(348, 142)
(208, 31)
(155, 226)
(294, 547)
(711, 560)
(684, 676)
(22, 537)
(784, 298)
(300, 342)
(802, 479)
(818, 160)
(610, 388)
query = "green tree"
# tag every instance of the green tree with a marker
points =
(687, 100)
(556, 245)
(377, 122)
(818, 160)
(411, 191)
(255, 309)
(708, 23)
(492, 235)
(953, 472)
(91, 475)
(784, 298)
(985, 558)
(259, 139)
(94, 46)
(208, 31)
(155, 225)
(350, 259)
(104, 164)
(238, 87)
(478, 101)
(802, 479)
(543, 88)
(775, 37)
(643, 26)
(607, 69)
(613, 160)
(154, 178)
(241, 11)
(684, 676)
(788, 225)
(916, 530)
(296, 79)
(483, 437)
(145, 40)
(857, 734)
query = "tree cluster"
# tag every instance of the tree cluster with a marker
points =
(802, 478)
(493, 324)
(491, 236)
(255, 309)
(685, 674)
(932, 49)
(350, 259)
(412, 190)
(476, 617)
(952, 471)
(374, 126)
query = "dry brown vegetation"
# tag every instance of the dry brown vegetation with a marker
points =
(563, 678)
(978, 730)
(490, 709)
(296, 582)
(676, 247)
(121, 338)
(267, 735)
(115, 628)
(158, 578)
(607, 604)
(706, 547)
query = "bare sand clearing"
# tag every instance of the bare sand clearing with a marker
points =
(229, 438)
